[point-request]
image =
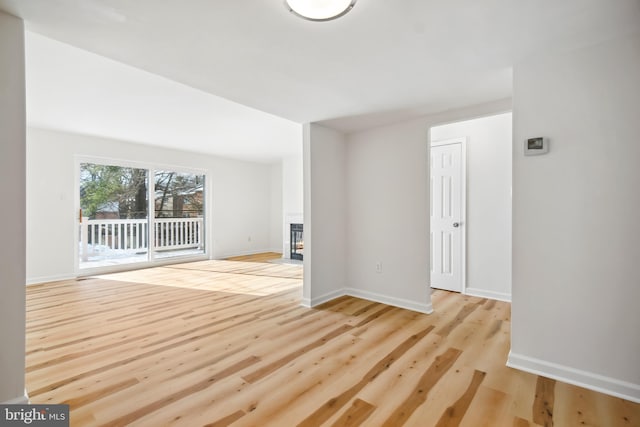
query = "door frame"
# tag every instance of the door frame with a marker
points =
(463, 203)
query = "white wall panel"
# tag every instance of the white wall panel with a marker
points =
(12, 218)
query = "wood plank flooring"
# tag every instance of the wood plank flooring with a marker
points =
(262, 257)
(217, 343)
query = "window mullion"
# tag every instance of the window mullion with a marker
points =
(151, 234)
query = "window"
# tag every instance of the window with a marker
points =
(178, 206)
(119, 225)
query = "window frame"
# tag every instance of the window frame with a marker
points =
(151, 168)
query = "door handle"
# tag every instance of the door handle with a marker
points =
(456, 224)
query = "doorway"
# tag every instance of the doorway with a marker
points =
(448, 197)
(485, 226)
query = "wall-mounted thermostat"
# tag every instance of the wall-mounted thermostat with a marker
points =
(535, 146)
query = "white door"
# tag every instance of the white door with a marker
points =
(447, 215)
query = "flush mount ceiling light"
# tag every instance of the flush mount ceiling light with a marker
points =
(319, 10)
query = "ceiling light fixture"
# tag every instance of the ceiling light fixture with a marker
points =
(319, 10)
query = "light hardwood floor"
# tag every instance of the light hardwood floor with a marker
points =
(262, 257)
(219, 342)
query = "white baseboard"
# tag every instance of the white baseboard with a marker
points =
(477, 292)
(567, 374)
(20, 400)
(371, 296)
(396, 302)
(46, 279)
(118, 268)
(426, 308)
(327, 297)
(242, 253)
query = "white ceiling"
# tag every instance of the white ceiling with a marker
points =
(383, 61)
(77, 91)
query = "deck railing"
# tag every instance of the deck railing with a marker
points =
(131, 234)
(177, 233)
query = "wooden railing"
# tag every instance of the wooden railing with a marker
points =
(131, 234)
(177, 233)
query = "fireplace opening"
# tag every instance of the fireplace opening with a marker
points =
(297, 241)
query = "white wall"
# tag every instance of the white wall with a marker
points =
(488, 224)
(292, 184)
(308, 259)
(240, 209)
(292, 196)
(12, 194)
(388, 208)
(275, 204)
(576, 234)
(388, 215)
(325, 214)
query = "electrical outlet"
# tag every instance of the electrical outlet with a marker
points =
(379, 267)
